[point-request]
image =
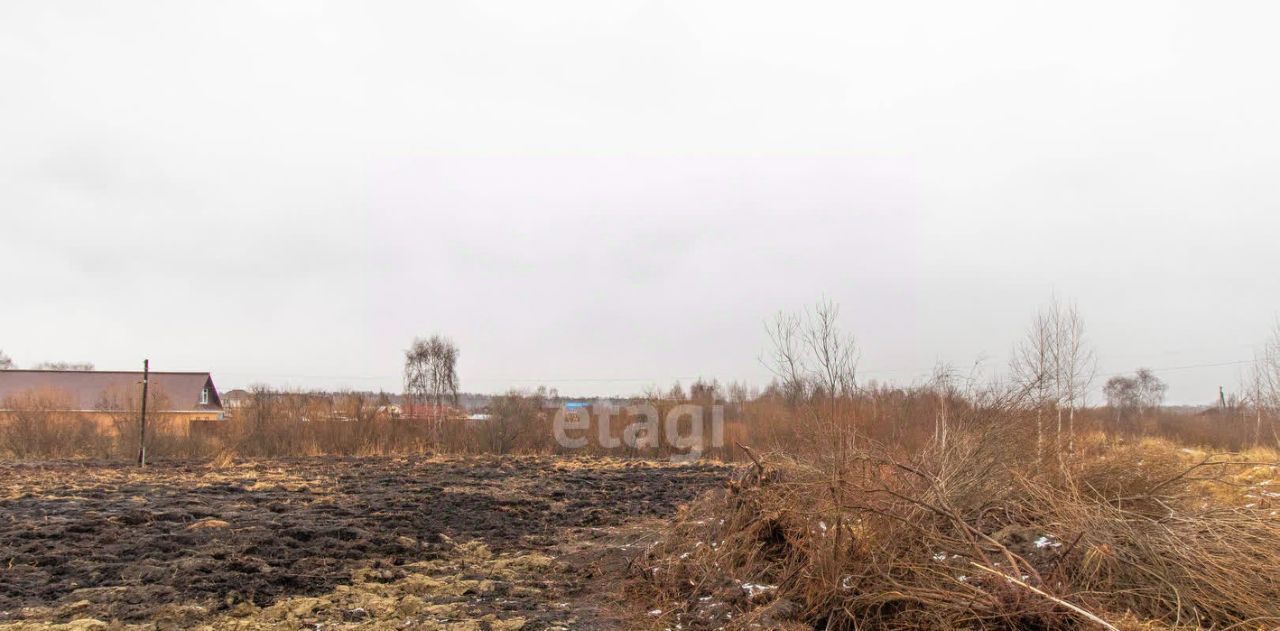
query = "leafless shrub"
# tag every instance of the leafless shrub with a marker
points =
(974, 533)
(37, 425)
(512, 419)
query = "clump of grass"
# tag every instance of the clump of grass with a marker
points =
(987, 531)
(224, 459)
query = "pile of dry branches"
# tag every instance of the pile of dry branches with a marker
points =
(1140, 535)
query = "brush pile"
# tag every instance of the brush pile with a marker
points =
(1141, 535)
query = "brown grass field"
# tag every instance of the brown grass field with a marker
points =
(995, 526)
(1123, 534)
(932, 507)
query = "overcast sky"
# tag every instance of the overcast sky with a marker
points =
(601, 196)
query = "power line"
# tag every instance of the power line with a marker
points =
(1187, 367)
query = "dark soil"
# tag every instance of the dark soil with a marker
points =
(130, 542)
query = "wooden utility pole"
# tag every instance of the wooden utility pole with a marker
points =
(142, 425)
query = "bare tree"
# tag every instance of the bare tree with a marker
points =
(705, 393)
(1074, 365)
(1055, 366)
(676, 393)
(6, 363)
(834, 352)
(430, 374)
(1151, 390)
(79, 366)
(816, 364)
(1032, 368)
(1122, 397)
(944, 387)
(1264, 381)
(787, 358)
(812, 357)
(1127, 396)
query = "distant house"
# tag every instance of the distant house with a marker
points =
(235, 399)
(427, 411)
(176, 397)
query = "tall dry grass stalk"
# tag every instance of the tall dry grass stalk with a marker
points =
(978, 532)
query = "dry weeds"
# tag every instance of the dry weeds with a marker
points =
(1142, 534)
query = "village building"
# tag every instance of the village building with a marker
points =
(176, 400)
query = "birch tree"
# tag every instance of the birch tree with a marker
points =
(430, 374)
(1032, 368)
(1074, 365)
(1264, 381)
(1054, 366)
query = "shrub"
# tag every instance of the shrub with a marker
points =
(982, 532)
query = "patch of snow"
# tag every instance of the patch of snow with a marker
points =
(755, 589)
(1045, 541)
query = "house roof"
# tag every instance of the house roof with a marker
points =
(98, 389)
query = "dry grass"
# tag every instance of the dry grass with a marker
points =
(442, 594)
(979, 534)
(888, 509)
(280, 424)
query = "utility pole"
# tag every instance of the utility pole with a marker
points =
(142, 425)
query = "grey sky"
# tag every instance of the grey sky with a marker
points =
(288, 192)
